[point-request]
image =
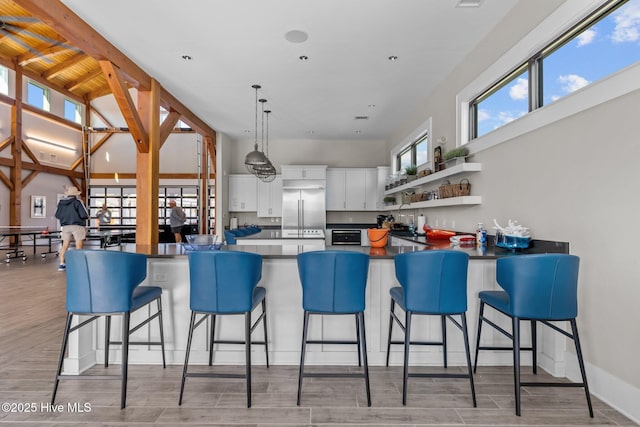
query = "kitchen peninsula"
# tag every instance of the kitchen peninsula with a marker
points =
(168, 268)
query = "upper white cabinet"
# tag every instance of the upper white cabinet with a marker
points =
(303, 172)
(243, 191)
(353, 189)
(270, 198)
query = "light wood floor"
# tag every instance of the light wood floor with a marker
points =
(32, 318)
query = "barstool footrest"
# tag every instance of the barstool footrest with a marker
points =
(236, 342)
(332, 375)
(543, 384)
(136, 343)
(330, 342)
(213, 375)
(419, 342)
(504, 348)
(89, 377)
(437, 375)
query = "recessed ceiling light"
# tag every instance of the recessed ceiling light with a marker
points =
(304, 58)
(358, 131)
(187, 57)
(296, 36)
(247, 131)
(310, 132)
(393, 58)
(372, 105)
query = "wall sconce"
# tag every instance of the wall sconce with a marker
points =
(53, 144)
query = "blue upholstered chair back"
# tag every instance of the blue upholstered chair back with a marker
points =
(103, 281)
(223, 281)
(433, 281)
(229, 237)
(540, 286)
(333, 281)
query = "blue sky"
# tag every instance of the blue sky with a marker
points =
(607, 46)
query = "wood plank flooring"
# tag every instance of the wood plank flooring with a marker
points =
(32, 317)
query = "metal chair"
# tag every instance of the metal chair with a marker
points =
(333, 283)
(105, 283)
(225, 283)
(540, 288)
(432, 283)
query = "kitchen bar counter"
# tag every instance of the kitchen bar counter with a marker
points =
(168, 268)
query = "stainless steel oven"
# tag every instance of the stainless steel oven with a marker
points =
(346, 237)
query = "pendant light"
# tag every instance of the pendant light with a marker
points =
(255, 157)
(266, 172)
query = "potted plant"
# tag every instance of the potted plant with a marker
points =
(455, 156)
(389, 200)
(412, 172)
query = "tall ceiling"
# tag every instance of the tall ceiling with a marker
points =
(234, 44)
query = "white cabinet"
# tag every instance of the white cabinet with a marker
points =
(243, 190)
(270, 198)
(352, 189)
(303, 172)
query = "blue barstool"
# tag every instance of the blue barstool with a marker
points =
(229, 237)
(432, 283)
(105, 283)
(541, 288)
(334, 282)
(224, 283)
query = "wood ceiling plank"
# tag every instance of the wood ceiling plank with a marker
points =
(82, 80)
(126, 105)
(43, 51)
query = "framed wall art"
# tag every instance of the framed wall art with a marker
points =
(38, 206)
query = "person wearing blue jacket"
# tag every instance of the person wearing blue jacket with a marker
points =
(73, 217)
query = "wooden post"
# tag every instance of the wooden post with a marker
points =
(148, 168)
(204, 185)
(15, 193)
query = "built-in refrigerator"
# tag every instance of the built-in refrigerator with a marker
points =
(303, 208)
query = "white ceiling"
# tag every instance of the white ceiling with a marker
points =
(237, 43)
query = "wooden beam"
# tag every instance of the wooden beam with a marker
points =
(29, 178)
(8, 141)
(92, 150)
(167, 126)
(100, 116)
(84, 79)
(60, 68)
(7, 99)
(5, 179)
(204, 186)
(70, 26)
(133, 175)
(126, 105)
(171, 103)
(32, 156)
(7, 161)
(15, 173)
(52, 170)
(38, 78)
(41, 52)
(52, 117)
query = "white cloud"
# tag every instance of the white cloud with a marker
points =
(627, 24)
(586, 37)
(483, 115)
(520, 89)
(572, 82)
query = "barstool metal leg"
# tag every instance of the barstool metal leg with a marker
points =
(393, 306)
(107, 339)
(534, 346)
(465, 334)
(164, 360)
(358, 341)
(305, 325)
(65, 340)
(186, 356)
(126, 318)
(264, 324)
(583, 372)
(407, 344)
(212, 339)
(480, 315)
(363, 341)
(443, 321)
(247, 351)
(516, 360)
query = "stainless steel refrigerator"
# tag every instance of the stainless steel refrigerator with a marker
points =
(303, 208)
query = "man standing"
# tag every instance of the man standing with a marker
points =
(176, 220)
(103, 216)
(73, 217)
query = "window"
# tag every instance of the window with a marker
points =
(601, 44)
(4, 80)
(38, 96)
(72, 111)
(414, 154)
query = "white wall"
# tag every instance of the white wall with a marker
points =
(572, 180)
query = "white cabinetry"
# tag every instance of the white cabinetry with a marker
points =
(303, 172)
(243, 193)
(352, 189)
(270, 198)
